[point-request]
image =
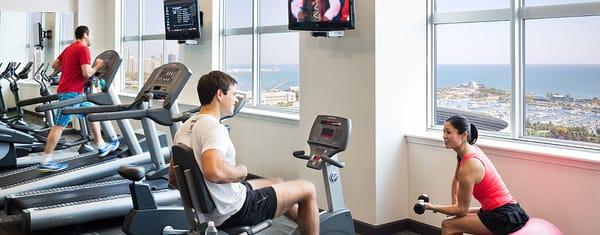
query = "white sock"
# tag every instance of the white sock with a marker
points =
(101, 146)
(46, 158)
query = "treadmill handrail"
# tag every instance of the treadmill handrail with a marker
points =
(38, 100)
(95, 109)
(156, 114)
(61, 104)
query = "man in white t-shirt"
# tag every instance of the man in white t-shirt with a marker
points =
(239, 202)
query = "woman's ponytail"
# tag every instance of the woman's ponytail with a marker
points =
(473, 135)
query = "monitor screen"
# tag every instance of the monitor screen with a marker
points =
(320, 15)
(182, 21)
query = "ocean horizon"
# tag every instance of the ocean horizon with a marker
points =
(576, 80)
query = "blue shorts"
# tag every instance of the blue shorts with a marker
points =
(64, 119)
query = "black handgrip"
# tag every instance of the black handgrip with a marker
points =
(300, 154)
(130, 114)
(38, 100)
(182, 118)
(94, 109)
(333, 162)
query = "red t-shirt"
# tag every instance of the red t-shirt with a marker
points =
(491, 191)
(71, 59)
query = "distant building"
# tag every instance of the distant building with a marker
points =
(151, 63)
(473, 85)
(171, 58)
(277, 97)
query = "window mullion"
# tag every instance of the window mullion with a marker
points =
(516, 44)
(140, 45)
(431, 99)
(255, 56)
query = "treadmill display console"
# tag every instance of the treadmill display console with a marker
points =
(166, 76)
(327, 133)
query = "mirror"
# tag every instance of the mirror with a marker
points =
(38, 37)
(34, 36)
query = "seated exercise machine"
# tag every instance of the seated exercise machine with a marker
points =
(329, 136)
(147, 217)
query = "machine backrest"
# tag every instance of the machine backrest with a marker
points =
(183, 156)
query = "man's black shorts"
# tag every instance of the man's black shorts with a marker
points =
(505, 219)
(259, 206)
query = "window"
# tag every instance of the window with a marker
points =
(143, 37)
(260, 52)
(524, 70)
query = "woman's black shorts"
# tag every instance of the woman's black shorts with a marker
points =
(259, 206)
(505, 219)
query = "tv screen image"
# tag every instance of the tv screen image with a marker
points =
(321, 15)
(182, 20)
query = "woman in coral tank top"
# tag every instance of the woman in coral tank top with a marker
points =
(476, 175)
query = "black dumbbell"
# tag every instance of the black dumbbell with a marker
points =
(420, 205)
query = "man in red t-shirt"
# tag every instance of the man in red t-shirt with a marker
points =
(74, 64)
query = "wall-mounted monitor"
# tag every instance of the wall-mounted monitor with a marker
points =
(321, 15)
(182, 19)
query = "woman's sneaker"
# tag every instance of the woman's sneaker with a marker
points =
(108, 148)
(53, 166)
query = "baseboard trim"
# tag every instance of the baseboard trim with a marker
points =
(395, 227)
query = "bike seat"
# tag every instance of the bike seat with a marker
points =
(133, 173)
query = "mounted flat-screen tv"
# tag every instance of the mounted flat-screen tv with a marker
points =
(182, 20)
(321, 15)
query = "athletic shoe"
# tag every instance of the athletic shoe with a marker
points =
(108, 148)
(53, 166)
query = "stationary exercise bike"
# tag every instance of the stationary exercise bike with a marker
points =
(329, 136)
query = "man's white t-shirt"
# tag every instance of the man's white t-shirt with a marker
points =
(203, 132)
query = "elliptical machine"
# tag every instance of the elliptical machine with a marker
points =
(329, 136)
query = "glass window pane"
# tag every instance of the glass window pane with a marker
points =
(130, 17)
(172, 51)
(469, 5)
(473, 74)
(238, 62)
(238, 13)
(154, 17)
(273, 12)
(153, 56)
(561, 78)
(130, 83)
(554, 2)
(279, 76)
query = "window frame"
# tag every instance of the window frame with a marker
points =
(255, 31)
(516, 15)
(140, 38)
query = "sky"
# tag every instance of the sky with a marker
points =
(547, 41)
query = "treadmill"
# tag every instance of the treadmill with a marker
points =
(44, 209)
(84, 167)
